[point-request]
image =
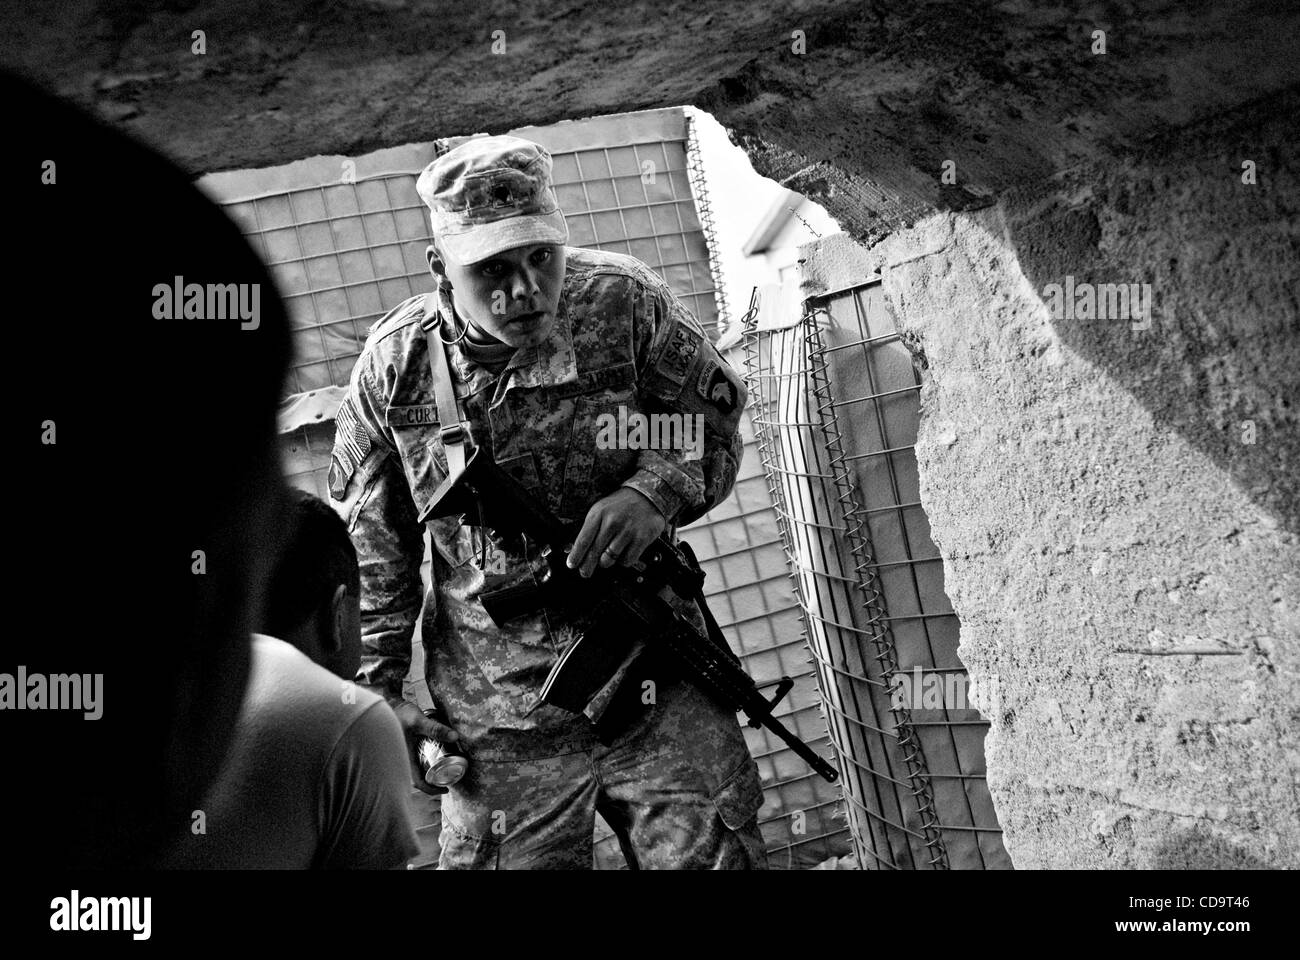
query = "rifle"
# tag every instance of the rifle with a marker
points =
(620, 608)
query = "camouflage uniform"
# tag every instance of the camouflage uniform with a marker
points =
(679, 786)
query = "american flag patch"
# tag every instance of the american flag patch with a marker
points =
(350, 437)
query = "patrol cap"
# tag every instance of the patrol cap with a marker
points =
(491, 194)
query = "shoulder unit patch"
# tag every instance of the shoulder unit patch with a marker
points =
(714, 386)
(678, 355)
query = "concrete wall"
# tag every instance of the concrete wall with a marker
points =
(1123, 559)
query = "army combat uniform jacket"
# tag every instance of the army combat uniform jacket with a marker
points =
(621, 344)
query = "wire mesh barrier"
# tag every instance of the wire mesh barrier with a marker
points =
(834, 397)
(704, 210)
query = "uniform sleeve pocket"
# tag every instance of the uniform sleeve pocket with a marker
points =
(351, 491)
(460, 850)
(739, 798)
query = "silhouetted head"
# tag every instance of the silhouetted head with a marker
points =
(144, 481)
(314, 601)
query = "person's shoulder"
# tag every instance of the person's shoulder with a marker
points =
(288, 682)
(394, 346)
(394, 330)
(585, 266)
(409, 311)
(318, 707)
(375, 727)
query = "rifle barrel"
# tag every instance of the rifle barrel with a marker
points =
(801, 749)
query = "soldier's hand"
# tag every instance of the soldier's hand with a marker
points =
(617, 529)
(416, 725)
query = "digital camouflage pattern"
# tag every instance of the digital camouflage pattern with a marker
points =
(679, 789)
(621, 338)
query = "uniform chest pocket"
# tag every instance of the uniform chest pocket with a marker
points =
(599, 456)
(425, 466)
(423, 462)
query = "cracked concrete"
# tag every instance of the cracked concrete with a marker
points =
(884, 93)
(1124, 564)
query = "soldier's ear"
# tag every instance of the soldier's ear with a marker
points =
(436, 265)
(336, 623)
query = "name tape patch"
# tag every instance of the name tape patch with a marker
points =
(413, 415)
(618, 375)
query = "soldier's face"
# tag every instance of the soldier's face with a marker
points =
(513, 295)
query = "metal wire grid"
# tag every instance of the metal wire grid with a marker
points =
(636, 199)
(802, 486)
(695, 164)
(903, 811)
(341, 254)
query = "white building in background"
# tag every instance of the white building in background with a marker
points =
(789, 221)
(758, 224)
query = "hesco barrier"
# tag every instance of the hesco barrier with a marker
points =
(834, 397)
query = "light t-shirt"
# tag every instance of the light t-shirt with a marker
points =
(311, 780)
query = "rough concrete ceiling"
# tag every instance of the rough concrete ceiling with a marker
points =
(863, 121)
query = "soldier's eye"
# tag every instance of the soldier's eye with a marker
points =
(541, 256)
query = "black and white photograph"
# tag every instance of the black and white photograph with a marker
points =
(711, 436)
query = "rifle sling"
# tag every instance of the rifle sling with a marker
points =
(453, 431)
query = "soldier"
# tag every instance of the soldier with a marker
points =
(542, 340)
